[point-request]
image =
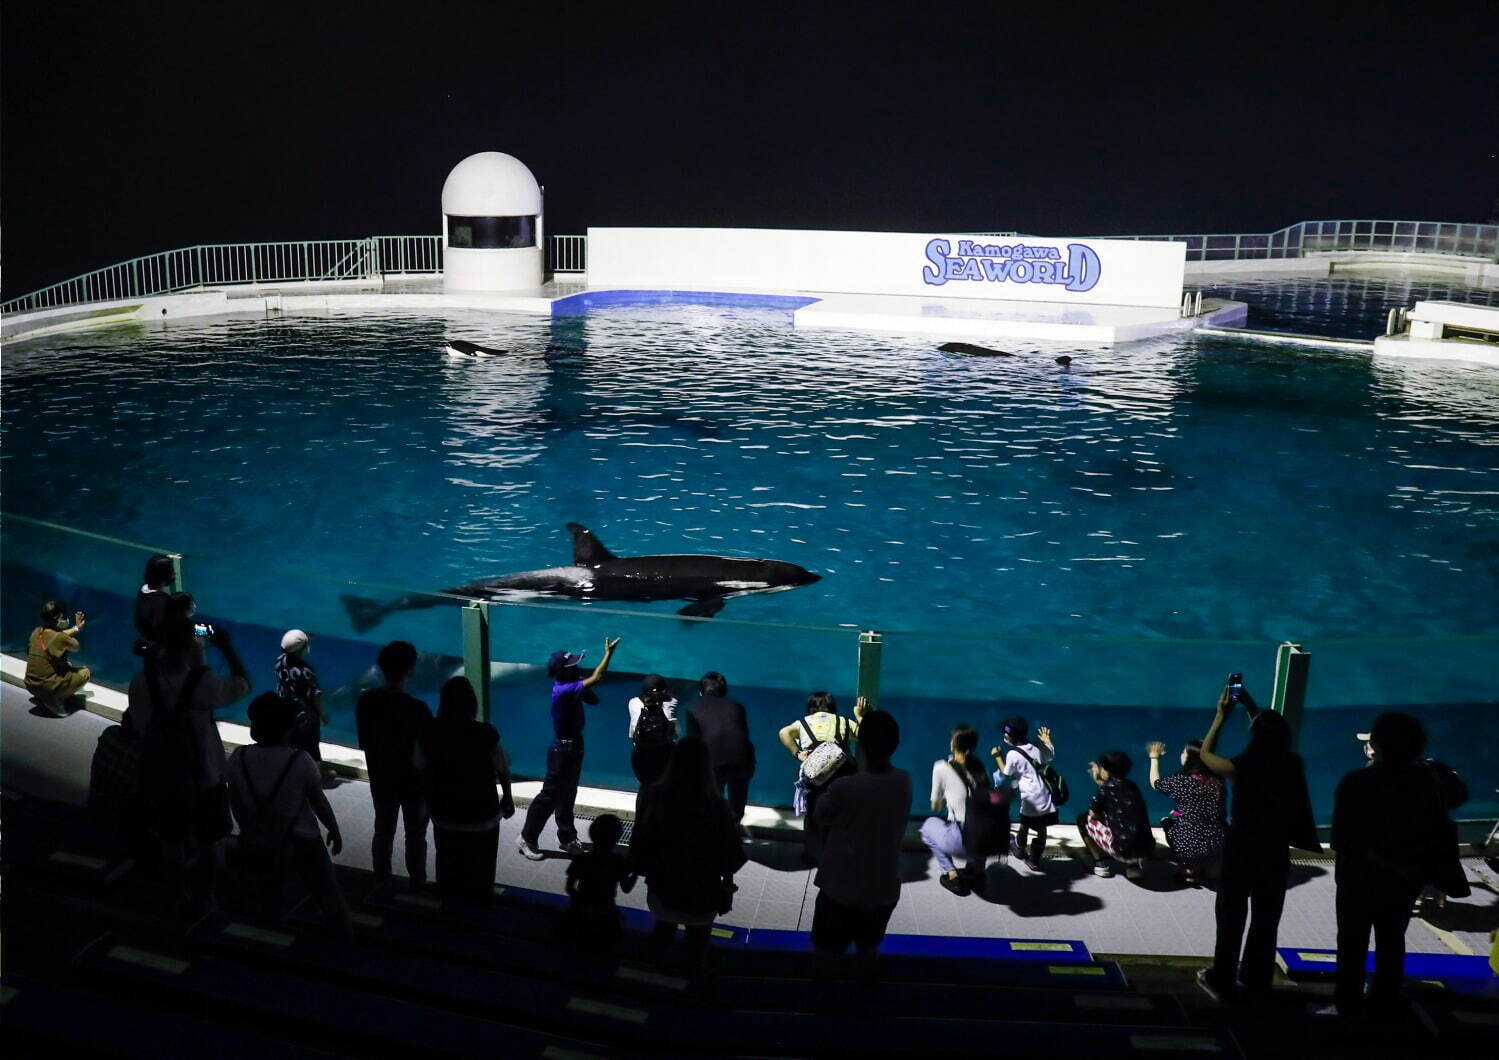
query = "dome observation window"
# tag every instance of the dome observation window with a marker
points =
(491, 232)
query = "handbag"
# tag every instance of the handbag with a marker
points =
(827, 758)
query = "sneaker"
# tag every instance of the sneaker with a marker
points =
(1103, 870)
(574, 848)
(955, 884)
(1034, 864)
(1134, 870)
(1209, 987)
(1016, 850)
(528, 849)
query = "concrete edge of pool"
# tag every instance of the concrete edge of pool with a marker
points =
(886, 314)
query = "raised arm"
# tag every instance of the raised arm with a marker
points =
(1155, 751)
(603, 666)
(1217, 763)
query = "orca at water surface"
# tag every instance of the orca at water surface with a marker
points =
(471, 350)
(598, 574)
(970, 348)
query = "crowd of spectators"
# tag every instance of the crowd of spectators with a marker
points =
(177, 798)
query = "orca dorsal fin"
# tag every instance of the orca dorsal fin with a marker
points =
(588, 550)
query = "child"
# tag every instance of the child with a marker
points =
(296, 681)
(1115, 825)
(593, 919)
(1021, 765)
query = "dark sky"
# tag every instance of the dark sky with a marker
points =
(136, 127)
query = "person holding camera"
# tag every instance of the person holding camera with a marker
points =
(653, 729)
(1196, 829)
(1272, 811)
(171, 705)
(50, 678)
(570, 691)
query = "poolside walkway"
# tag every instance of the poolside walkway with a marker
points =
(49, 758)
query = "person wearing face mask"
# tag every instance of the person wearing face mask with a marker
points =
(1196, 829)
(50, 678)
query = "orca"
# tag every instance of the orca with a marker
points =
(968, 347)
(598, 574)
(460, 348)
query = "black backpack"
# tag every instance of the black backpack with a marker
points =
(170, 758)
(654, 728)
(1054, 781)
(986, 822)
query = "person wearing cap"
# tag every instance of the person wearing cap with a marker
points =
(570, 691)
(1367, 739)
(297, 682)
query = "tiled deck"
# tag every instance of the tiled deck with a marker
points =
(49, 758)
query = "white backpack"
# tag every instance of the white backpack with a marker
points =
(828, 757)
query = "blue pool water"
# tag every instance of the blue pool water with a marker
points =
(1094, 546)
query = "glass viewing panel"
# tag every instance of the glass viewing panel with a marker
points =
(491, 232)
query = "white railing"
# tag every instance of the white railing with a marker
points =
(568, 254)
(1319, 237)
(224, 264)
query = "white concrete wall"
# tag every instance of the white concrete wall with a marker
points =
(1127, 272)
(491, 269)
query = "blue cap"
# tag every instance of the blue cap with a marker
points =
(561, 660)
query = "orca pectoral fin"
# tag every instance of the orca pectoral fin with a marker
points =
(707, 607)
(363, 613)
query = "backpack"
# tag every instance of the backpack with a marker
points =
(986, 822)
(170, 758)
(653, 728)
(262, 849)
(1054, 781)
(828, 758)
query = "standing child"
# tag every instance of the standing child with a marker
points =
(297, 682)
(592, 919)
(1021, 765)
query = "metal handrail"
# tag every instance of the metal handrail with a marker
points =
(371, 258)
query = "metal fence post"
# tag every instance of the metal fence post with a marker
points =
(476, 652)
(869, 666)
(1288, 697)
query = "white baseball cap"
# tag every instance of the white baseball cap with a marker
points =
(293, 640)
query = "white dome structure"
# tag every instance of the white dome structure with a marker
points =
(491, 225)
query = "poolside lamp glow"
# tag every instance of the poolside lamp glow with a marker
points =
(491, 225)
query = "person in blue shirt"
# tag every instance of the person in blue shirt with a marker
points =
(570, 691)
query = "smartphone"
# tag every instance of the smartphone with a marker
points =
(1235, 687)
(203, 629)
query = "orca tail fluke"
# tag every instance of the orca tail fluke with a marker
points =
(366, 614)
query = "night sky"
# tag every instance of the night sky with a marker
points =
(131, 128)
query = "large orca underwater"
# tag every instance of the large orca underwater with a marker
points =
(598, 574)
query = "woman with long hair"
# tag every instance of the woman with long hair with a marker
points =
(686, 845)
(1272, 812)
(460, 759)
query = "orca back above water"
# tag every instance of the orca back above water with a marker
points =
(970, 348)
(598, 574)
(460, 348)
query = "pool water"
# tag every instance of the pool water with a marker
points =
(1094, 545)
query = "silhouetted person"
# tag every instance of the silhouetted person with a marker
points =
(686, 845)
(461, 760)
(51, 679)
(863, 820)
(720, 723)
(1196, 829)
(185, 804)
(1392, 836)
(653, 729)
(1271, 813)
(559, 788)
(593, 880)
(152, 601)
(389, 721)
(278, 799)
